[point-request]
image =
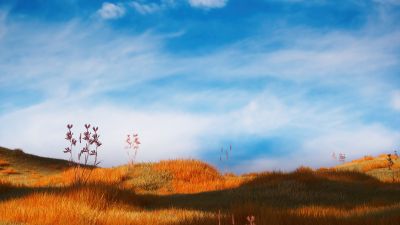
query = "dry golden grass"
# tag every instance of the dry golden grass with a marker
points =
(191, 192)
(377, 164)
(193, 176)
(4, 162)
(9, 171)
(324, 169)
(91, 204)
(74, 175)
(302, 197)
(365, 158)
(363, 210)
(376, 167)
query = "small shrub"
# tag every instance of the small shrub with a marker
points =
(390, 161)
(149, 179)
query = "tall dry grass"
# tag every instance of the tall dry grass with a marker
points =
(82, 175)
(9, 171)
(4, 163)
(198, 191)
(194, 176)
(89, 204)
(377, 164)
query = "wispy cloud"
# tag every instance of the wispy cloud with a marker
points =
(396, 100)
(208, 4)
(111, 11)
(144, 8)
(315, 90)
(163, 134)
(396, 2)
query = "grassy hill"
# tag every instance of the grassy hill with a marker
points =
(375, 166)
(178, 192)
(26, 168)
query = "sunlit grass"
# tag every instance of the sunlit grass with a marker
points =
(178, 192)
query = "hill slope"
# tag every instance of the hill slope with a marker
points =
(177, 192)
(375, 166)
(26, 167)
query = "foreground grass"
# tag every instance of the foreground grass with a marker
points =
(176, 192)
(300, 197)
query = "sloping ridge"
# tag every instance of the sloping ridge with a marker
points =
(18, 163)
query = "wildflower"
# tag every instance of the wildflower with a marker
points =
(251, 220)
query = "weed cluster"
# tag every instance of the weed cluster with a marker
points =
(133, 145)
(341, 157)
(90, 139)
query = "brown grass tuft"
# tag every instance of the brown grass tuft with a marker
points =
(9, 171)
(304, 169)
(78, 175)
(193, 176)
(4, 163)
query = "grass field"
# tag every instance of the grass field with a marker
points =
(49, 191)
(375, 166)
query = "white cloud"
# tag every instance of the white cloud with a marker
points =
(3, 17)
(355, 142)
(79, 55)
(40, 130)
(145, 8)
(317, 151)
(396, 100)
(85, 63)
(394, 2)
(208, 4)
(111, 11)
(332, 57)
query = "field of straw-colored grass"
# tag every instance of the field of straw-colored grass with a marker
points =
(109, 196)
(177, 192)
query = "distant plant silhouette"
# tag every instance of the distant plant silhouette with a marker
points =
(390, 164)
(224, 156)
(334, 156)
(342, 157)
(390, 161)
(133, 145)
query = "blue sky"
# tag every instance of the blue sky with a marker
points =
(287, 83)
